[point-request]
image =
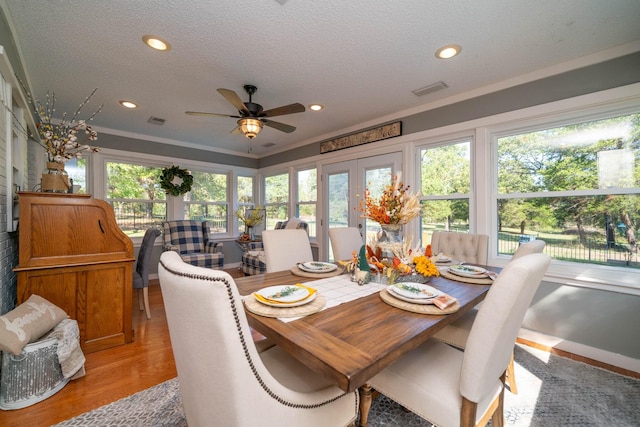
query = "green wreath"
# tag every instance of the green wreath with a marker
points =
(166, 180)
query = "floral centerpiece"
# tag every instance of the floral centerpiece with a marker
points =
(250, 220)
(396, 205)
(408, 265)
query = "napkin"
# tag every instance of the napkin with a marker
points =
(444, 301)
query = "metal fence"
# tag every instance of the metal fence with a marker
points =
(592, 251)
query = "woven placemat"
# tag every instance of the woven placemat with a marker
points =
(254, 306)
(416, 308)
(338, 271)
(482, 281)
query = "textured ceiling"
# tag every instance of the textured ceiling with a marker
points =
(361, 59)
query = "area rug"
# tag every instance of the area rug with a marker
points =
(553, 391)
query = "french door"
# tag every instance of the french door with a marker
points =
(343, 189)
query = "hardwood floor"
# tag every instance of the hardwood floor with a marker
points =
(111, 374)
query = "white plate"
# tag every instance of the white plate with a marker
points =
(291, 304)
(391, 290)
(274, 293)
(317, 267)
(468, 270)
(414, 290)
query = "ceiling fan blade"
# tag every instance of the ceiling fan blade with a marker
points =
(237, 130)
(200, 113)
(280, 126)
(234, 99)
(285, 109)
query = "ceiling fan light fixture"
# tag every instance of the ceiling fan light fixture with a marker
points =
(448, 51)
(156, 43)
(250, 127)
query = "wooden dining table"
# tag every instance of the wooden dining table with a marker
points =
(351, 342)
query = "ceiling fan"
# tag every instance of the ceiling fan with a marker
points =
(251, 115)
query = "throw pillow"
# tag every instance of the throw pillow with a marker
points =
(28, 322)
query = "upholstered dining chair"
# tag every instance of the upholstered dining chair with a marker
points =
(141, 273)
(253, 261)
(223, 379)
(450, 387)
(457, 333)
(283, 249)
(463, 247)
(344, 241)
(192, 240)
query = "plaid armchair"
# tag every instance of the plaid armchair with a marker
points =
(253, 258)
(190, 239)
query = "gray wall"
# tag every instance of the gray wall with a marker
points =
(617, 72)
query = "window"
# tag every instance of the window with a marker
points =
(137, 199)
(307, 198)
(576, 186)
(445, 188)
(207, 200)
(276, 197)
(77, 170)
(245, 196)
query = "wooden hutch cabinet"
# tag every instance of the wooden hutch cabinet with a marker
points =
(72, 252)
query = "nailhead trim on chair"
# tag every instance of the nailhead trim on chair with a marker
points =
(246, 349)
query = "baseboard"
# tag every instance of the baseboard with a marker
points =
(613, 362)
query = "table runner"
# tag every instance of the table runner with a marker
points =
(336, 290)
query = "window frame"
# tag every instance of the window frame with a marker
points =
(227, 203)
(587, 275)
(287, 204)
(470, 197)
(297, 203)
(130, 161)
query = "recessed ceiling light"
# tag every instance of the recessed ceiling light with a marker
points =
(128, 104)
(156, 43)
(315, 107)
(449, 51)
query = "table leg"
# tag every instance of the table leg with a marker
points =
(365, 404)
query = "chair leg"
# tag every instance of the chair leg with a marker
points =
(511, 376)
(468, 413)
(147, 309)
(365, 404)
(140, 299)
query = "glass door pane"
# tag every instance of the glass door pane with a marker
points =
(345, 185)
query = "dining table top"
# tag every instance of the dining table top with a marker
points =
(351, 342)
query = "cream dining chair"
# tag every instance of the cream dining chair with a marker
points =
(344, 241)
(462, 247)
(452, 388)
(457, 333)
(223, 379)
(283, 249)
